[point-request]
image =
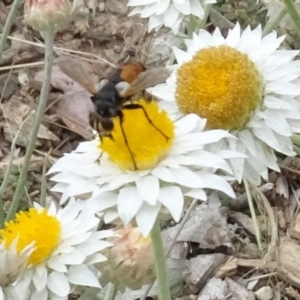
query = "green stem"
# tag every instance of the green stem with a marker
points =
(296, 139)
(7, 26)
(111, 292)
(253, 214)
(160, 263)
(291, 9)
(8, 172)
(272, 24)
(49, 41)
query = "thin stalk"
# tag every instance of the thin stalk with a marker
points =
(174, 240)
(49, 41)
(111, 292)
(160, 263)
(8, 172)
(253, 214)
(7, 26)
(272, 24)
(291, 9)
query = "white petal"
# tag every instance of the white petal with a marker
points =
(82, 275)
(148, 188)
(40, 295)
(216, 182)
(197, 9)
(129, 202)
(163, 173)
(56, 265)
(171, 197)
(75, 257)
(58, 284)
(186, 177)
(146, 216)
(247, 138)
(197, 194)
(40, 280)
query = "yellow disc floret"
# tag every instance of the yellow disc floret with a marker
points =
(220, 84)
(33, 226)
(142, 139)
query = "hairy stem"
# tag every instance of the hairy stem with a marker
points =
(160, 263)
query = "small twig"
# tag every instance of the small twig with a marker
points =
(8, 76)
(8, 171)
(241, 201)
(174, 240)
(37, 121)
(63, 49)
(253, 214)
(29, 65)
(7, 26)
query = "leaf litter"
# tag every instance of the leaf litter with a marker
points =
(215, 256)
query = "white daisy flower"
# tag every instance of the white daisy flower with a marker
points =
(168, 13)
(243, 84)
(161, 163)
(65, 243)
(12, 266)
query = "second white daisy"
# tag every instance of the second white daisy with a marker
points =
(147, 166)
(243, 84)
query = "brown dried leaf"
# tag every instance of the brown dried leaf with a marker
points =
(3, 13)
(74, 109)
(288, 261)
(201, 268)
(74, 106)
(15, 113)
(217, 289)
(292, 293)
(206, 226)
(297, 224)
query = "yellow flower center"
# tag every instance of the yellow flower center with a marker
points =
(220, 84)
(142, 139)
(33, 226)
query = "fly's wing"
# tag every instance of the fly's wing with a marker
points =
(80, 71)
(147, 79)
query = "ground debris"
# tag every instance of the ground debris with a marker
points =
(219, 289)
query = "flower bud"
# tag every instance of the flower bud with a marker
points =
(129, 261)
(45, 15)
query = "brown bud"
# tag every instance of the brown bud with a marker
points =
(45, 15)
(129, 261)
